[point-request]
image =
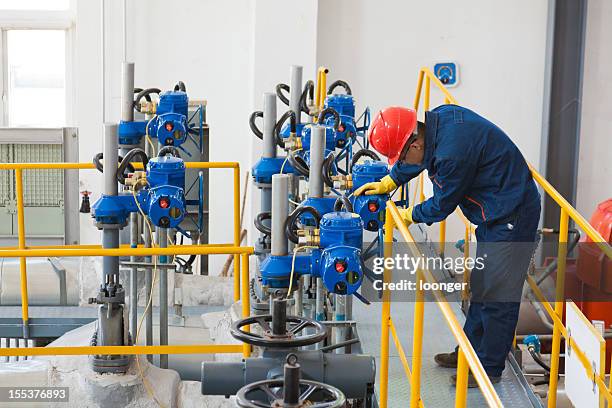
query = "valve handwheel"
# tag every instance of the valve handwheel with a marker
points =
(278, 329)
(290, 392)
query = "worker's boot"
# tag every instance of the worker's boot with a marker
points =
(448, 360)
(472, 380)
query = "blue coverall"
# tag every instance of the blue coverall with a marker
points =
(474, 165)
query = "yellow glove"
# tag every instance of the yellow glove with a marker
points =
(406, 214)
(386, 185)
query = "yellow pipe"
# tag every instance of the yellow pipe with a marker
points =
(426, 102)
(417, 343)
(89, 166)
(559, 303)
(93, 246)
(125, 350)
(246, 299)
(462, 380)
(236, 233)
(323, 87)
(417, 96)
(456, 329)
(442, 237)
(386, 312)
(176, 250)
(21, 234)
(439, 85)
(422, 185)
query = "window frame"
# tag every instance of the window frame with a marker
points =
(38, 20)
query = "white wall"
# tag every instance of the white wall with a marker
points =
(594, 167)
(379, 46)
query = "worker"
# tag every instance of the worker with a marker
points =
(472, 164)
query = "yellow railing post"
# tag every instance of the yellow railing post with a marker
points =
(462, 380)
(386, 312)
(246, 299)
(559, 303)
(23, 275)
(426, 103)
(417, 342)
(442, 237)
(237, 232)
(417, 96)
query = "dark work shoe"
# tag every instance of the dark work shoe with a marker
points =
(472, 381)
(448, 360)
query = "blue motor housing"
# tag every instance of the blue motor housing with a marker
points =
(343, 104)
(330, 138)
(163, 200)
(266, 167)
(341, 236)
(166, 170)
(370, 208)
(323, 205)
(169, 126)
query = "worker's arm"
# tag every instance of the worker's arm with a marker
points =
(452, 179)
(402, 173)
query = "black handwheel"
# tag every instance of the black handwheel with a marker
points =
(269, 394)
(289, 338)
(290, 391)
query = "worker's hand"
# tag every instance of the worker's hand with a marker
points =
(406, 214)
(386, 185)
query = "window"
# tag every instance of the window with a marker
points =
(35, 36)
(36, 70)
(34, 4)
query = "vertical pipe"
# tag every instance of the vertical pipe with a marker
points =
(340, 316)
(162, 237)
(320, 301)
(317, 151)
(127, 92)
(110, 236)
(559, 303)
(417, 96)
(442, 237)
(237, 232)
(386, 312)
(299, 297)
(427, 93)
(417, 343)
(269, 122)
(246, 299)
(295, 91)
(462, 380)
(148, 287)
(133, 276)
(280, 210)
(23, 275)
(148, 242)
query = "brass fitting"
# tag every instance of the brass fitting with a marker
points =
(293, 142)
(148, 108)
(135, 179)
(343, 182)
(309, 236)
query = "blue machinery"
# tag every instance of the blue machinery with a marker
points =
(168, 198)
(311, 248)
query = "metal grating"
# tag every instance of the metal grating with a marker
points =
(42, 188)
(5, 176)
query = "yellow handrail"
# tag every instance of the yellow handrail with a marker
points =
(22, 251)
(567, 212)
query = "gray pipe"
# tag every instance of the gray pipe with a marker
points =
(280, 210)
(148, 276)
(295, 91)
(269, 122)
(110, 236)
(162, 236)
(317, 151)
(127, 92)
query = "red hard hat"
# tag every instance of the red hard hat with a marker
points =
(391, 129)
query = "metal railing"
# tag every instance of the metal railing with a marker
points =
(467, 357)
(22, 251)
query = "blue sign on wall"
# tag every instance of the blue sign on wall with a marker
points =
(447, 73)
